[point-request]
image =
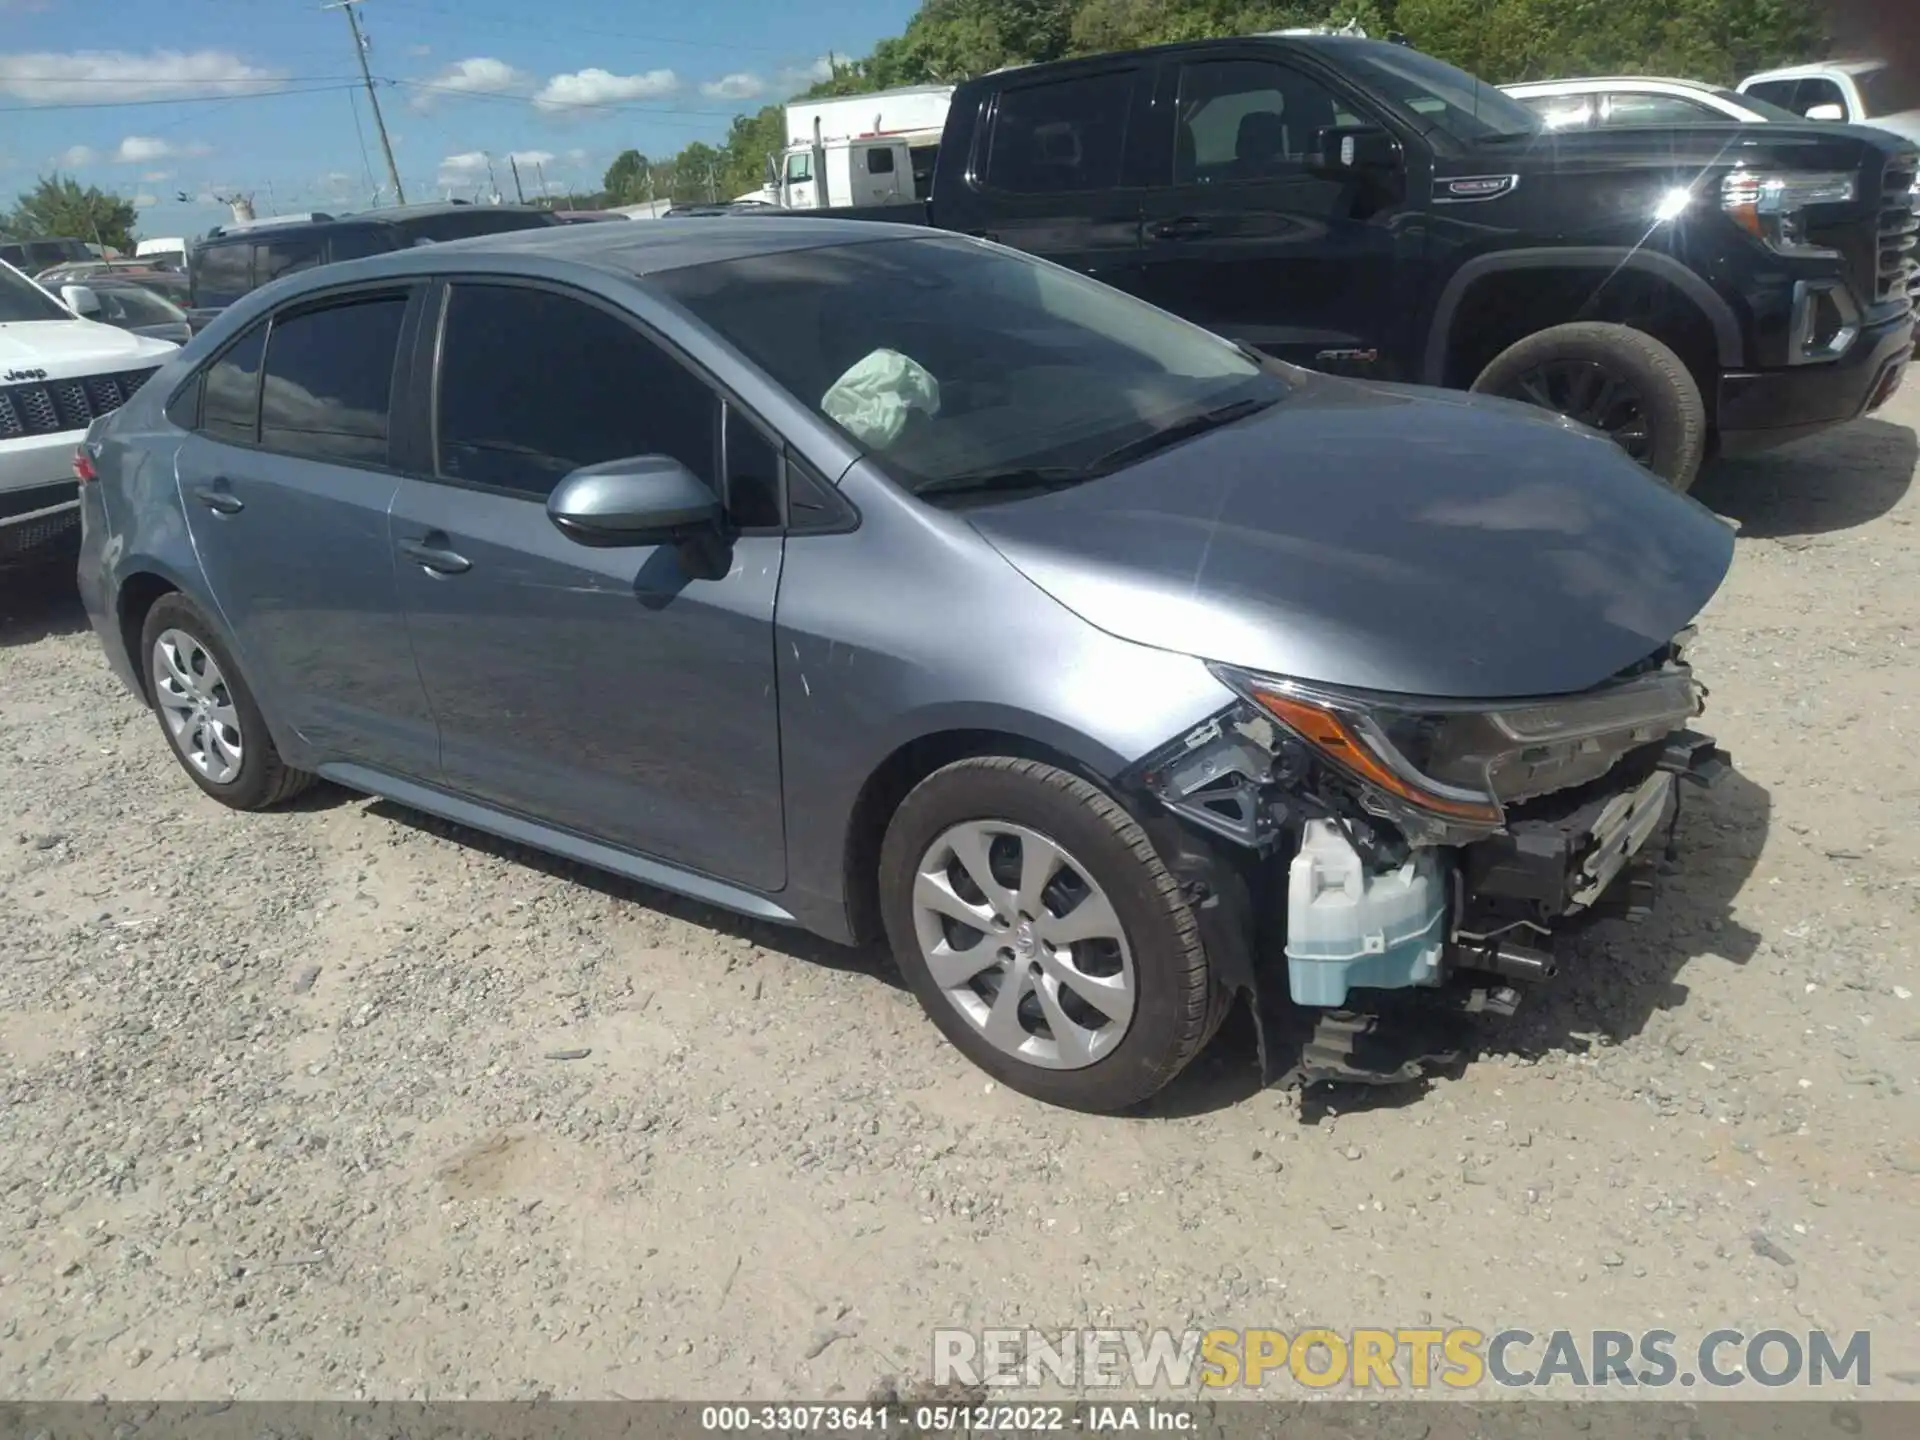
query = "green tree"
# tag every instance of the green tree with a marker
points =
(749, 142)
(697, 175)
(626, 178)
(59, 206)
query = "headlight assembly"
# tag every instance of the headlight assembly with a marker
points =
(1772, 205)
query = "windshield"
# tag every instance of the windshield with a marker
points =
(1884, 91)
(950, 360)
(21, 299)
(131, 305)
(1765, 109)
(1465, 107)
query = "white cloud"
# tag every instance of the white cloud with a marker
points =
(794, 78)
(585, 89)
(50, 78)
(463, 169)
(75, 156)
(738, 86)
(576, 157)
(419, 52)
(477, 75)
(143, 200)
(155, 177)
(145, 149)
(531, 157)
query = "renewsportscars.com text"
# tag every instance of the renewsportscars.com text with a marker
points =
(1403, 1359)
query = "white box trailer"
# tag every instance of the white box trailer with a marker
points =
(884, 112)
(875, 149)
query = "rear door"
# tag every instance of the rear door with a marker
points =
(604, 691)
(286, 481)
(1053, 170)
(1241, 237)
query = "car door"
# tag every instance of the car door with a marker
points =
(604, 691)
(1241, 237)
(1053, 170)
(286, 480)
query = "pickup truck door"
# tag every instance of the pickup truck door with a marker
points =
(1241, 237)
(1052, 172)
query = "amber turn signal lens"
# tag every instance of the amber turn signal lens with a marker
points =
(1334, 738)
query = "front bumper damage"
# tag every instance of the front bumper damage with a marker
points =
(1364, 937)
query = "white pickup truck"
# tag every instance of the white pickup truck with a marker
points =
(1857, 92)
(58, 373)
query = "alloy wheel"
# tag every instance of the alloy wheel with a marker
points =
(1587, 391)
(197, 706)
(1024, 943)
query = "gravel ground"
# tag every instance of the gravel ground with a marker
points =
(341, 1102)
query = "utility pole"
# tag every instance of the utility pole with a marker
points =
(541, 171)
(518, 194)
(493, 185)
(379, 122)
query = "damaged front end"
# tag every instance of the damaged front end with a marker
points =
(1388, 865)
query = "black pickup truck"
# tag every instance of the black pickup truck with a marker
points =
(1354, 205)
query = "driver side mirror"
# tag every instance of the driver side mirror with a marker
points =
(81, 300)
(1341, 151)
(1827, 112)
(642, 500)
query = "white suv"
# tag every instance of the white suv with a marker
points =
(58, 373)
(1860, 92)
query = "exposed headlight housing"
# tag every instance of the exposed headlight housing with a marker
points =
(1461, 764)
(1772, 205)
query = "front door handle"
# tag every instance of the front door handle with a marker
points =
(432, 557)
(219, 499)
(1187, 227)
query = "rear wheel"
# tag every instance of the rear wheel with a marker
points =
(209, 715)
(1620, 381)
(1041, 933)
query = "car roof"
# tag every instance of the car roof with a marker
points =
(392, 215)
(1818, 68)
(637, 250)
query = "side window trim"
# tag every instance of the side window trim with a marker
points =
(436, 357)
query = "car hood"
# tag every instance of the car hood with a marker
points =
(74, 347)
(1381, 537)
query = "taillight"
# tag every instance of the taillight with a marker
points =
(83, 470)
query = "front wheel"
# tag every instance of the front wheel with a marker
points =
(1042, 934)
(1620, 381)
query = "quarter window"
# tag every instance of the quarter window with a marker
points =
(285, 254)
(1068, 135)
(231, 408)
(222, 273)
(534, 385)
(329, 381)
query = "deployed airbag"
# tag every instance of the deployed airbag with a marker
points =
(874, 397)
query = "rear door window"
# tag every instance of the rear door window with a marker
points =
(329, 381)
(222, 273)
(1629, 108)
(1065, 135)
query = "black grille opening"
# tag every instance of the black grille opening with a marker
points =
(48, 407)
(1899, 227)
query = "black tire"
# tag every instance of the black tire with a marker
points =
(1176, 1007)
(1657, 415)
(264, 779)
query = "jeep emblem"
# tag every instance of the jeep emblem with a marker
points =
(26, 374)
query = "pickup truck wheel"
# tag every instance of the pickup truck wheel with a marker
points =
(209, 715)
(1618, 380)
(1041, 932)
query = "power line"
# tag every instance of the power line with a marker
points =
(467, 16)
(184, 100)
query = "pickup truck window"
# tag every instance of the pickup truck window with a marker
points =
(1061, 136)
(1642, 109)
(1035, 367)
(21, 299)
(1465, 107)
(1246, 120)
(1800, 96)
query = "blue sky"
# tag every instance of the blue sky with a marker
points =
(212, 97)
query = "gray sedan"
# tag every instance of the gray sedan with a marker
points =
(884, 582)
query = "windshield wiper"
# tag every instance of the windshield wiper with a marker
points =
(1030, 477)
(1173, 434)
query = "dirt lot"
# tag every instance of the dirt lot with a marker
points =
(340, 1102)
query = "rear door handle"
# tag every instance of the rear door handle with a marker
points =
(1186, 227)
(219, 499)
(436, 559)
